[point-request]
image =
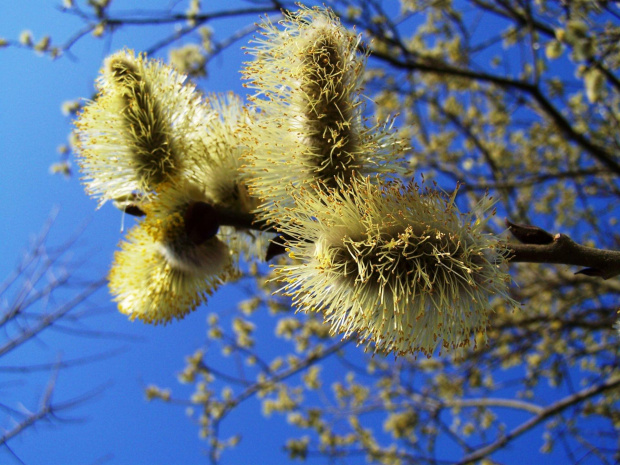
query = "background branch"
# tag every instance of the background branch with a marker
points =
(551, 410)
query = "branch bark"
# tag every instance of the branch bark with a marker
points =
(539, 246)
(536, 246)
(553, 409)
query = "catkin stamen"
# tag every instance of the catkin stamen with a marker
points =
(161, 273)
(393, 264)
(308, 76)
(142, 130)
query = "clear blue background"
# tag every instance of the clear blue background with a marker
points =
(118, 426)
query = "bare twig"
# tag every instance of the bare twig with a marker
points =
(34, 304)
(549, 411)
(539, 246)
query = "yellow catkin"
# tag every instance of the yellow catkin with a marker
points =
(398, 267)
(307, 75)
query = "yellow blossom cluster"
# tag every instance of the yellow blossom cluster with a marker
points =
(395, 265)
(156, 147)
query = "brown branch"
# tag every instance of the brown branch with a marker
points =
(549, 411)
(412, 63)
(243, 221)
(533, 180)
(539, 246)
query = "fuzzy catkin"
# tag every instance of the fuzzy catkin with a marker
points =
(307, 76)
(224, 183)
(160, 273)
(142, 129)
(398, 267)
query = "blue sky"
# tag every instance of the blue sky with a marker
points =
(118, 426)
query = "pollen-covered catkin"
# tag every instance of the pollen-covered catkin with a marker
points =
(220, 166)
(219, 170)
(307, 75)
(162, 272)
(141, 130)
(398, 267)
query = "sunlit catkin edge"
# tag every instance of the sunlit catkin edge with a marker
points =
(399, 267)
(159, 274)
(221, 178)
(220, 167)
(142, 129)
(310, 126)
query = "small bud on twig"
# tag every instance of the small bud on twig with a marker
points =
(529, 234)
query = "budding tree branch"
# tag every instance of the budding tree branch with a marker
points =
(556, 407)
(536, 245)
(539, 246)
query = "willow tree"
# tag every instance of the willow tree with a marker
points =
(436, 192)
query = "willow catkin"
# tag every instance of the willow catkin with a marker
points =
(307, 75)
(398, 267)
(141, 130)
(163, 271)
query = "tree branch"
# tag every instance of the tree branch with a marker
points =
(539, 246)
(551, 410)
(412, 63)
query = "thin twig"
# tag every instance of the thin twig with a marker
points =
(551, 410)
(539, 247)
